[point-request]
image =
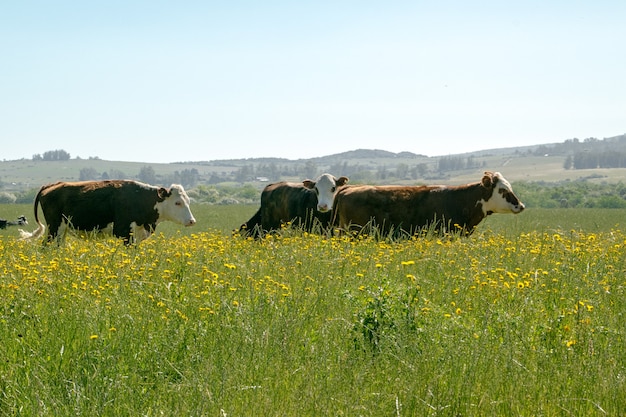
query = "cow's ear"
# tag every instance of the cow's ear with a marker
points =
(488, 180)
(309, 184)
(163, 193)
(341, 181)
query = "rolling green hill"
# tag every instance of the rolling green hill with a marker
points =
(240, 180)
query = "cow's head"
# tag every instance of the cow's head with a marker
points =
(325, 187)
(173, 205)
(499, 195)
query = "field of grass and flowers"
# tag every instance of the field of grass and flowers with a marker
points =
(525, 317)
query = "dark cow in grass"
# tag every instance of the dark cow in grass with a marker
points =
(409, 209)
(21, 220)
(133, 209)
(307, 205)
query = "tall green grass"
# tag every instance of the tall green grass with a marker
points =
(525, 317)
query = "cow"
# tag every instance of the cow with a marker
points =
(132, 208)
(307, 205)
(409, 209)
(21, 220)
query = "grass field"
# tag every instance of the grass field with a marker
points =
(525, 317)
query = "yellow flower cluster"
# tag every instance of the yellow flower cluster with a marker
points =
(204, 274)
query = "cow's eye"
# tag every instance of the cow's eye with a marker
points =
(333, 189)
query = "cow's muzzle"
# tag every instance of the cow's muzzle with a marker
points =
(323, 208)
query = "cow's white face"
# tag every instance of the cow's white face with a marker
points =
(175, 207)
(502, 199)
(325, 186)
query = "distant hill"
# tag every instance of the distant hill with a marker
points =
(369, 154)
(572, 160)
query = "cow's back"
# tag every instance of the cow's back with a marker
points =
(90, 205)
(407, 207)
(81, 204)
(381, 206)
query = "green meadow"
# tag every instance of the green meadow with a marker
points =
(526, 317)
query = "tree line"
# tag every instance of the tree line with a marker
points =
(536, 194)
(56, 155)
(187, 177)
(592, 160)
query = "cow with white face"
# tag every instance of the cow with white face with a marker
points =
(502, 198)
(413, 208)
(306, 205)
(325, 187)
(133, 209)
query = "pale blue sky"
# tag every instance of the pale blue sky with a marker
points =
(165, 81)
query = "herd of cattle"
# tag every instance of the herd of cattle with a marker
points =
(383, 208)
(133, 209)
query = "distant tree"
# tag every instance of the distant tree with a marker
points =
(205, 194)
(542, 150)
(421, 170)
(27, 196)
(88, 174)
(569, 162)
(37, 157)
(310, 170)
(270, 171)
(147, 175)
(56, 155)
(7, 198)
(216, 179)
(611, 201)
(450, 163)
(247, 192)
(116, 174)
(382, 173)
(471, 162)
(340, 168)
(585, 160)
(186, 177)
(245, 173)
(402, 171)
(361, 177)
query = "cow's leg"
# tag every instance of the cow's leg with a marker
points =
(253, 226)
(271, 221)
(141, 233)
(122, 229)
(53, 231)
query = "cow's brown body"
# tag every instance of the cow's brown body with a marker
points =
(129, 206)
(412, 208)
(283, 203)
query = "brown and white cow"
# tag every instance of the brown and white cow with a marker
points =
(134, 209)
(412, 208)
(304, 204)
